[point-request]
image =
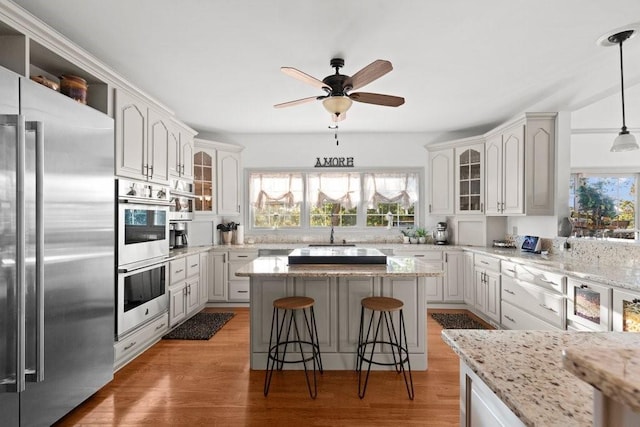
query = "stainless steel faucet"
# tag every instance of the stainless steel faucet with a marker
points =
(331, 236)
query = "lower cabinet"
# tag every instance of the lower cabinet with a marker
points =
(434, 285)
(453, 286)
(184, 288)
(217, 284)
(131, 346)
(487, 286)
(469, 279)
(225, 286)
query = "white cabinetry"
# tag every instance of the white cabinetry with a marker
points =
(142, 139)
(181, 151)
(206, 276)
(469, 178)
(184, 288)
(218, 286)
(239, 286)
(487, 286)
(469, 279)
(441, 184)
(434, 285)
(453, 289)
(228, 183)
(520, 167)
(626, 311)
(132, 345)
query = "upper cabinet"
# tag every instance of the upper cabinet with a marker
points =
(181, 152)
(441, 185)
(217, 180)
(142, 139)
(520, 167)
(469, 178)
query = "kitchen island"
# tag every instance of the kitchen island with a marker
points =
(517, 378)
(337, 290)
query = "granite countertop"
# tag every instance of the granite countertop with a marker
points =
(397, 266)
(613, 371)
(525, 370)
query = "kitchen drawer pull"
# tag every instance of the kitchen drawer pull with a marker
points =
(509, 318)
(418, 256)
(635, 301)
(179, 271)
(194, 265)
(484, 262)
(127, 347)
(548, 281)
(546, 307)
(159, 327)
(243, 256)
(584, 287)
(243, 292)
(509, 270)
(509, 292)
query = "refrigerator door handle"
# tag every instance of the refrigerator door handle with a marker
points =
(38, 128)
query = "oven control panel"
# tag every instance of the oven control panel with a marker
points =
(140, 190)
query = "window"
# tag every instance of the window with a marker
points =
(276, 200)
(334, 199)
(603, 205)
(356, 200)
(391, 198)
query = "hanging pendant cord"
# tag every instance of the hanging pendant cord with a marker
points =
(624, 126)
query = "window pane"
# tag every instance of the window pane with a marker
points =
(391, 197)
(603, 205)
(275, 199)
(334, 199)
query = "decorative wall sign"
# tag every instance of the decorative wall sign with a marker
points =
(334, 162)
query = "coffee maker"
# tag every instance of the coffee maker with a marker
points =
(440, 235)
(178, 235)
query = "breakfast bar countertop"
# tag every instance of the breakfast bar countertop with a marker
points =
(525, 370)
(398, 266)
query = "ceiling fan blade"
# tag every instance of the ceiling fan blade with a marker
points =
(377, 98)
(371, 72)
(304, 77)
(296, 102)
(338, 118)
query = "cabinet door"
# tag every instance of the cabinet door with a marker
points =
(173, 153)
(204, 179)
(205, 277)
(480, 290)
(492, 308)
(469, 278)
(177, 304)
(218, 281)
(323, 291)
(434, 287)
(158, 148)
(193, 294)
(626, 311)
(540, 166)
(265, 291)
(186, 157)
(131, 136)
(453, 277)
(408, 290)
(470, 179)
(513, 170)
(493, 174)
(228, 183)
(441, 185)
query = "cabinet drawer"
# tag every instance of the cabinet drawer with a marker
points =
(515, 318)
(488, 262)
(238, 290)
(177, 270)
(545, 279)
(542, 304)
(243, 256)
(193, 265)
(427, 255)
(508, 268)
(130, 346)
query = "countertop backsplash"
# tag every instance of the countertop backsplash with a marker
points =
(596, 251)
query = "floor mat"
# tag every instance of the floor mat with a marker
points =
(202, 326)
(457, 321)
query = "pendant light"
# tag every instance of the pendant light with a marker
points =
(624, 141)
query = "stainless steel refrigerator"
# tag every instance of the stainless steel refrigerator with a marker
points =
(56, 252)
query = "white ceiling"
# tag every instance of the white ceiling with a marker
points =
(463, 66)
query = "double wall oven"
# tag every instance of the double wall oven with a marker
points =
(143, 250)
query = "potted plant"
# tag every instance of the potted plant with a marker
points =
(406, 235)
(226, 231)
(421, 234)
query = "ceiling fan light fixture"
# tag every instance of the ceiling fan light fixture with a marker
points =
(624, 142)
(337, 105)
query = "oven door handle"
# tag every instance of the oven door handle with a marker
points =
(142, 267)
(145, 202)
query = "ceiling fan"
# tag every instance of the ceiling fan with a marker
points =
(338, 97)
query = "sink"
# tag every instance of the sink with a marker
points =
(323, 245)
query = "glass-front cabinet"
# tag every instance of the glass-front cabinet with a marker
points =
(470, 179)
(204, 161)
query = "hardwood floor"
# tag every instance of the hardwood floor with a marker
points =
(191, 383)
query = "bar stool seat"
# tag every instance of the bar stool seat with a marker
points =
(395, 340)
(309, 348)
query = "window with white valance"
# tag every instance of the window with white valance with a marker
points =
(391, 197)
(334, 199)
(276, 199)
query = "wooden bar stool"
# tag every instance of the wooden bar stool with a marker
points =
(309, 349)
(384, 307)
